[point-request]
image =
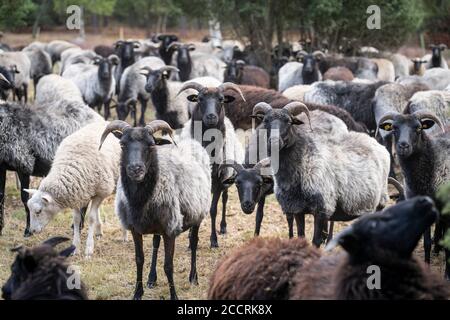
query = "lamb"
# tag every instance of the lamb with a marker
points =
(239, 112)
(80, 174)
(208, 123)
(56, 47)
(237, 72)
(30, 137)
(418, 67)
(171, 106)
(436, 59)
(53, 88)
(132, 89)
(42, 273)
(424, 161)
(291, 269)
(338, 73)
(356, 98)
(162, 190)
(386, 70)
(21, 65)
(353, 168)
(40, 64)
(96, 82)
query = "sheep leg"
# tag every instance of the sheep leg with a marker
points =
(320, 228)
(438, 234)
(330, 231)
(427, 245)
(2, 196)
(447, 264)
(139, 257)
(152, 276)
(223, 223)
(259, 215)
(25, 184)
(213, 214)
(193, 242)
(143, 109)
(106, 107)
(169, 249)
(389, 146)
(300, 221)
(94, 221)
(25, 92)
(76, 230)
(290, 220)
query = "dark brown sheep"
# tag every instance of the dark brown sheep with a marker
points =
(104, 50)
(239, 111)
(338, 73)
(262, 269)
(239, 73)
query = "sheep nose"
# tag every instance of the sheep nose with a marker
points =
(136, 168)
(247, 206)
(403, 145)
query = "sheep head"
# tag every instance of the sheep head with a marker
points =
(156, 78)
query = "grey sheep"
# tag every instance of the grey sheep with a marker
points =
(22, 64)
(52, 88)
(41, 64)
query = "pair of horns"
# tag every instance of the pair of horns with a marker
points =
(419, 115)
(122, 126)
(147, 69)
(239, 167)
(177, 44)
(224, 86)
(52, 242)
(293, 108)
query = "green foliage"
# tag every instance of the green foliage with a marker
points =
(443, 195)
(100, 7)
(16, 13)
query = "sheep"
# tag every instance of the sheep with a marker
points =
(338, 73)
(56, 47)
(104, 50)
(75, 56)
(183, 58)
(239, 112)
(132, 89)
(41, 64)
(162, 190)
(361, 67)
(207, 65)
(424, 161)
(418, 67)
(297, 92)
(386, 71)
(42, 273)
(7, 77)
(353, 168)
(436, 59)
(96, 82)
(170, 106)
(126, 51)
(292, 269)
(80, 174)
(53, 88)
(392, 97)
(30, 137)
(437, 78)
(354, 97)
(21, 65)
(402, 65)
(237, 72)
(208, 123)
(166, 40)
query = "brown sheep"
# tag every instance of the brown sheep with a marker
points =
(239, 111)
(239, 73)
(292, 269)
(338, 73)
(262, 269)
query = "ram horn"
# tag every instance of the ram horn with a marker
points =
(385, 117)
(231, 86)
(118, 43)
(192, 85)
(116, 125)
(261, 108)
(442, 46)
(173, 45)
(301, 53)
(428, 115)
(295, 108)
(318, 53)
(262, 163)
(169, 68)
(191, 46)
(236, 166)
(240, 62)
(160, 125)
(397, 185)
(2, 77)
(54, 241)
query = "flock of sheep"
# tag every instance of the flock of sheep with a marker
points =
(326, 143)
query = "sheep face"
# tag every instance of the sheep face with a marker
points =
(251, 185)
(105, 66)
(408, 132)
(156, 80)
(233, 71)
(7, 78)
(210, 106)
(42, 209)
(124, 107)
(395, 230)
(125, 49)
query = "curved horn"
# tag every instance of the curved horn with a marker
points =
(261, 108)
(240, 62)
(116, 125)
(385, 117)
(191, 85)
(318, 53)
(424, 114)
(261, 164)
(302, 53)
(231, 86)
(397, 185)
(443, 46)
(54, 241)
(296, 107)
(236, 166)
(160, 125)
(191, 46)
(169, 68)
(2, 77)
(172, 45)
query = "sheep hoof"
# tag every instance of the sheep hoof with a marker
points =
(193, 279)
(27, 233)
(214, 244)
(223, 230)
(151, 284)
(138, 292)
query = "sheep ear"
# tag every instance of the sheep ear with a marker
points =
(161, 141)
(117, 133)
(228, 99)
(386, 126)
(193, 98)
(258, 116)
(68, 251)
(228, 182)
(30, 191)
(347, 239)
(297, 121)
(427, 123)
(267, 179)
